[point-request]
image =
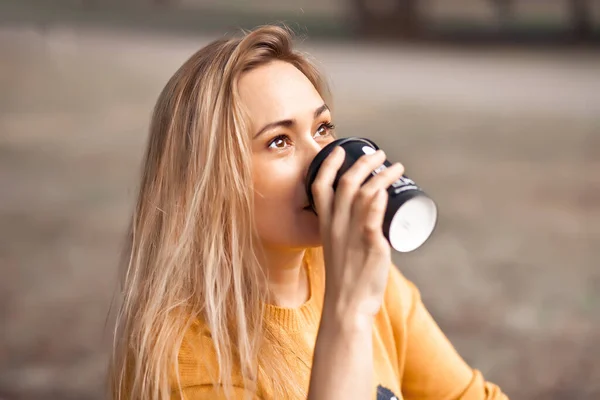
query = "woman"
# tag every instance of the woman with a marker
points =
(225, 293)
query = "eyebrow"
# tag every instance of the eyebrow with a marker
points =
(289, 122)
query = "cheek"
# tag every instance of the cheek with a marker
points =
(275, 192)
(278, 197)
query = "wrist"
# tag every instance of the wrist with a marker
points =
(346, 319)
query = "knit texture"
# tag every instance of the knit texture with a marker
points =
(413, 359)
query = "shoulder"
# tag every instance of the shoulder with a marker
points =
(197, 362)
(197, 359)
(197, 374)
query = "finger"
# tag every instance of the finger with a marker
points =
(322, 186)
(365, 195)
(371, 233)
(349, 184)
(383, 180)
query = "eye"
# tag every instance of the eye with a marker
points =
(325, 129)
(279, 142)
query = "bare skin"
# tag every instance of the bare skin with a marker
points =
(281, 155)
(357, 255)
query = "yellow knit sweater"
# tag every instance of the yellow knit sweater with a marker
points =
(412, 357)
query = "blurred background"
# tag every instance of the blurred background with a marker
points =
(493, 107)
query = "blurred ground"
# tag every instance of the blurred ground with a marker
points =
(507, 142)
(466, 21)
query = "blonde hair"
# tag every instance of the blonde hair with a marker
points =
(191, 247)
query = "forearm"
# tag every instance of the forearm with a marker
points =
(343, 358)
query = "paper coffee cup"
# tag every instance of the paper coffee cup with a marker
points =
(411, 214)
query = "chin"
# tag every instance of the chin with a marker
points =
(294, 240)
(310, 239)
(310, 235)
(291, 233)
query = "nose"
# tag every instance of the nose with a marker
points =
(312, 150)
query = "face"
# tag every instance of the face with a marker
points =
(290, 124)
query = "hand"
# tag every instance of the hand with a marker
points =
(357, 254)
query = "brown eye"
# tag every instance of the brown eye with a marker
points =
(280, 142)
(325, 129)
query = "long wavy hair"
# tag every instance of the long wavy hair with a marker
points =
(191, 249)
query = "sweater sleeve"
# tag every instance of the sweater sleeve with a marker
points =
(430, 366)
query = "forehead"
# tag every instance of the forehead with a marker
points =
(276, 91)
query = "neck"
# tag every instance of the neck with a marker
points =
(287, 278)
